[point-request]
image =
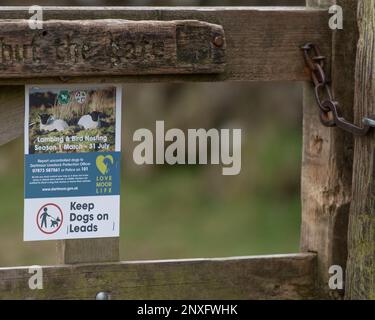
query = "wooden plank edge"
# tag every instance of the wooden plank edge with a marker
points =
(257, 277)
(276, 60)
(25, 9)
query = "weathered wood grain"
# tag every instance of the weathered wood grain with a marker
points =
(269, 277)
(88, 250)
(262, 43)
(110, 47)
(360, 276)
(12, 112)
(327, 160)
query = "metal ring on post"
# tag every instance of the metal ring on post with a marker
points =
(317, 96)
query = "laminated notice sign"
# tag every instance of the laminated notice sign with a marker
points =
(72, 162)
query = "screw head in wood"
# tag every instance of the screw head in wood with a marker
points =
(102, 296)
(218, 41)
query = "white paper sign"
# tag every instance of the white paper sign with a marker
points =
(72, 162)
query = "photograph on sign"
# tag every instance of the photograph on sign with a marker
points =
(72, 162)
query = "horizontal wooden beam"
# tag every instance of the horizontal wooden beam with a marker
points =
(110, 47)
(262, 43)
(264, 277)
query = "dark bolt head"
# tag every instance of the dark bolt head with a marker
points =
(218, 41)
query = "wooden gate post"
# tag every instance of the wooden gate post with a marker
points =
(327, 158)
(88, 250)
(360, 278)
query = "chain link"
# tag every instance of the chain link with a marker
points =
(329, 108)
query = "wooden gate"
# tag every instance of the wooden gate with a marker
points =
(248, 44)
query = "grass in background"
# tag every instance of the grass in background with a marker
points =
(186, 212)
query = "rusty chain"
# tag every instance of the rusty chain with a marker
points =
(330, 115)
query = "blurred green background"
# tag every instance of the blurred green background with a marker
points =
(189, 211)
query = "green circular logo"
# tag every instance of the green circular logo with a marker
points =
(64, 97)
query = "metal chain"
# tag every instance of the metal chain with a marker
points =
(329, 108)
